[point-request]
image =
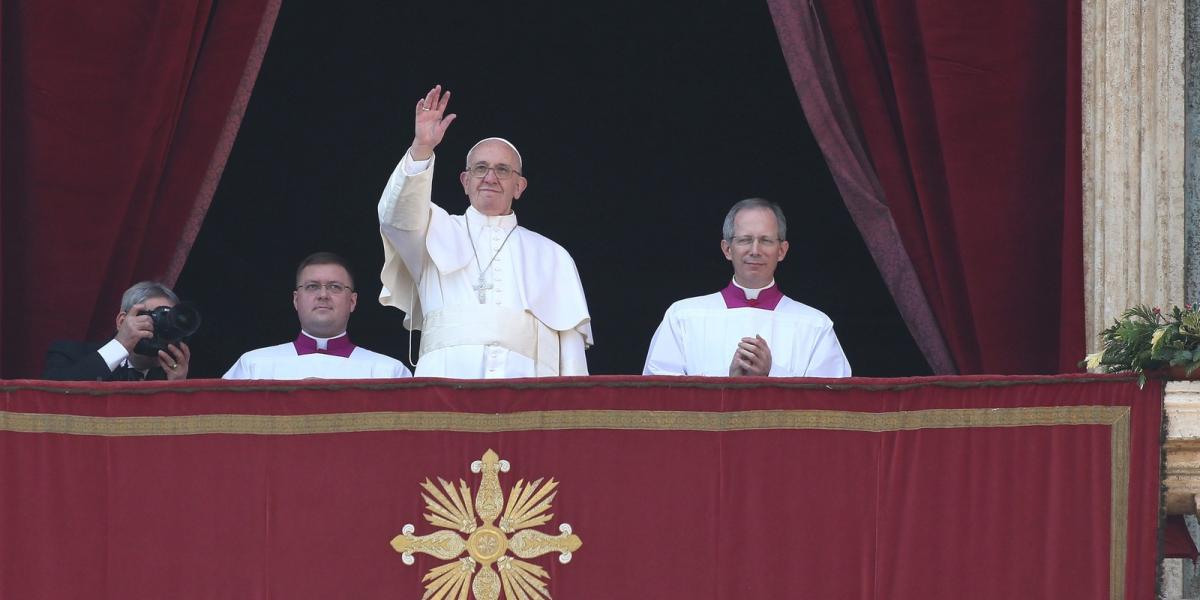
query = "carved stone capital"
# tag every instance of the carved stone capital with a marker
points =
(1182, 476)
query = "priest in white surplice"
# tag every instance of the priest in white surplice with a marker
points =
(750, 327)
(324, 298)
(491, 299)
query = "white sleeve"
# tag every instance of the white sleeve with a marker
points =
(113, 354)
(572, 360)
(404, 204)
(237, 371)
(401, 371)
(404, 212)
(412, 166)
(827, 359)
(666, 355)
(779, 369)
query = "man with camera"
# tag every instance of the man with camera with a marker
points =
(135, 353)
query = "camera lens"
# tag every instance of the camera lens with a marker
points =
(184, 321)
(171, 325)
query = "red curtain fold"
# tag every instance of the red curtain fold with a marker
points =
(679, 488)
(1177, 540)
(1072, 336)
(969, 117)
(117, 120)
(836, 133)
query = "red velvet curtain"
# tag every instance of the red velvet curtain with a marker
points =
(117, 120)
(960, 160)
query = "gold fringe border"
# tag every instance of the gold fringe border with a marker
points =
(146, 388)
(550, 420)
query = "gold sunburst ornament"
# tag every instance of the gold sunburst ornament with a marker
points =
(487, 544)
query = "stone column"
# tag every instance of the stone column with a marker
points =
(1191, 171)
(1133, 157)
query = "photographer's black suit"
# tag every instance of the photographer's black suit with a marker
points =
(79, 361)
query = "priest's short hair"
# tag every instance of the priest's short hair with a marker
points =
(727, 228)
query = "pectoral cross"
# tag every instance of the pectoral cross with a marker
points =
(481, 289)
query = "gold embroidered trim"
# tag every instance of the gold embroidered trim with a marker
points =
(549, 420)
(1119, 513)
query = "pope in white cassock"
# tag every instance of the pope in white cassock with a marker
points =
(750, 327)
(491, 298)
(324, 298)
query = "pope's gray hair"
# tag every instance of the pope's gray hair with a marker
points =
(142, 291)
(727, 228)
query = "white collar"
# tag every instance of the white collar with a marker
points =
(478, 219)
(752, 293)
(322, 343)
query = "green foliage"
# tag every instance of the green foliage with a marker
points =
(1145, 339)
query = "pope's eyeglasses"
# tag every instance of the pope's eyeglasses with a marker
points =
(502, 171)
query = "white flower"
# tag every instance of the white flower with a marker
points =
(1093, 360)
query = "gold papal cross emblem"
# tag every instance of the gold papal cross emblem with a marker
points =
(487, 544)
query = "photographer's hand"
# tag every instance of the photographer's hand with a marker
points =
(176, 362)
(133, 326)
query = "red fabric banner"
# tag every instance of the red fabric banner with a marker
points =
(965, 487)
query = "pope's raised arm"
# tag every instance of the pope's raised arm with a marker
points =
(404, 208)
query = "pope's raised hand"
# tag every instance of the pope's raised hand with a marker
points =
(430, 123)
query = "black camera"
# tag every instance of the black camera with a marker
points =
(171, 325)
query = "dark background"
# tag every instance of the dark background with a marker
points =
(640, 124)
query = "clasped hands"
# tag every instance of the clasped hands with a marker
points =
(752, 358)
